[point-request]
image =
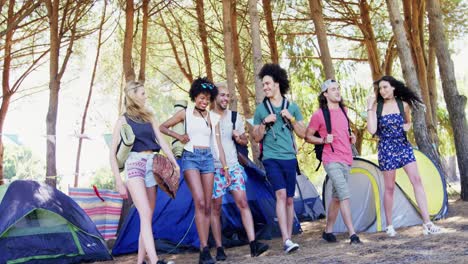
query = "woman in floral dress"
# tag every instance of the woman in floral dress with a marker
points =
(394, 149)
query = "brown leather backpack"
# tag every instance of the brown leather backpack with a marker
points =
(165, 175)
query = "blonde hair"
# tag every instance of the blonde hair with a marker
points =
(132, 107)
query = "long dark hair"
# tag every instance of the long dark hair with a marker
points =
(278, 75)
(401, 91)
(323, 101)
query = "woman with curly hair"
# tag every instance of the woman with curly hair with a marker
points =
(140, 180)
(197, 160)
(394, 149)
(275, 126)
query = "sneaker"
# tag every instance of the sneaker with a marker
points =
(354, 239)
(257, 248)
(391, 231)
(329, 237)
(163, 262)
(430, 228)
(220, 255)
(205, 257)
(290, 246)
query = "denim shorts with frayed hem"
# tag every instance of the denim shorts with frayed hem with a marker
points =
(199, 159)
(282, 174)
(140, 165)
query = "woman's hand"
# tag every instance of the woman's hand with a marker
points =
(122, 189)
(183, 138)
(370, 101)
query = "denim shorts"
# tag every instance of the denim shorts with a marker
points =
(282, 174)
(140, 165)
(238, 178)
(338, 173)
(199, 159)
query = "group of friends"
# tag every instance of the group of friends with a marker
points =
(211, 167)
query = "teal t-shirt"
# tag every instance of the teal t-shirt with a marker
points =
(277, 143)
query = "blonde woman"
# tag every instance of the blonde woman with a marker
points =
(140, 180)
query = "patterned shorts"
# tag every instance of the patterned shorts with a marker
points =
(140, 165)
(238, 178)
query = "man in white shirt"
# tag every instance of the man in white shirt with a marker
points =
(229, 174)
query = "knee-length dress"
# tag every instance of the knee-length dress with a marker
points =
(394, 149)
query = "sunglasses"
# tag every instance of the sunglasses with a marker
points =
(207, 86)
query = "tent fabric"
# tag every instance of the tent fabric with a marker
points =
(40, 224)
(174, 226)
(104, 213)
(366, 184)
(307, 203)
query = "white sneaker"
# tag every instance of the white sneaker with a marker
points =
(430, 228)
(391, 231)
(290, 246)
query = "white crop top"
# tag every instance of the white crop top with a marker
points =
(197, 129)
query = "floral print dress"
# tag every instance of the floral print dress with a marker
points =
(394, 149)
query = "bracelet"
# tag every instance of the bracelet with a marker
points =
(323, 140)
(293, 120)
(369, 109)
(263, 122)
(226, 169)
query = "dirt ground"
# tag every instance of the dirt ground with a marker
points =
(411, 246)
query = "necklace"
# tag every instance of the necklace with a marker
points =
(201, 113)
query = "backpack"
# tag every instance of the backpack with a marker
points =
(242, 150)
(318, 149)
(400, 107)
(287, 123)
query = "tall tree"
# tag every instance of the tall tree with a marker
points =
(204, 38)
(256, 49)
(144, 40)
(228, 53)
(409, 72)
(271, 31)
(369, 40)
(90, 93)
(129, 71)
(456, 103)
(321, 32)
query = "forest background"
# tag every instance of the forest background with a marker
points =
(65, 63)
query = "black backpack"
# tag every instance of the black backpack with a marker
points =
(241, 149)
(319, 147)
(287, 123)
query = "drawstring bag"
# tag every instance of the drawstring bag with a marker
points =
(165, 175)
(127, 138)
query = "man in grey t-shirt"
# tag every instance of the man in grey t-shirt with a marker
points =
(229, 174)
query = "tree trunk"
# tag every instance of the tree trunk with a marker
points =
(431, 80)
(90, 93)
(409, 72)
(320, 30)
(228, 53)
(256, 49)
(369, 40)
(271, 31)
(257, 65)
(144, 38)
(129, 71)
(241, 83)
(204, 38)
(389, 56)
(456, 103)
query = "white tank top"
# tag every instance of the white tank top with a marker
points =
(198, 130)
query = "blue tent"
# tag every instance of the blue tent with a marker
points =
(40, 224)
(174, 226)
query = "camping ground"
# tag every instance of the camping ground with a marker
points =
(409, 247)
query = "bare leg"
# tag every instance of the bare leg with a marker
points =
(151, 192)
(332, 214)
(290, 215)
(411, 170)
(137, 189)
(389, 180)
(281, 213)
(240, 198)
(346, 214)
(215, 220)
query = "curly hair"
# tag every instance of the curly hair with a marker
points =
(401, 91)
(132, 107)
(205, 86)
(278, 74)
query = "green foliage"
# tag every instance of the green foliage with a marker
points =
(103, 179)
(20, 164)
